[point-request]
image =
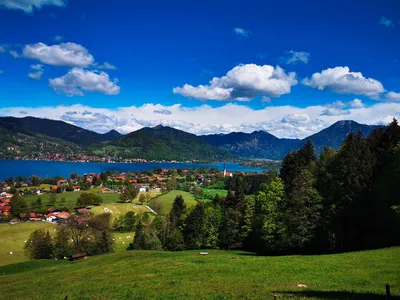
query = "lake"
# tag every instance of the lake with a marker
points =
(14, 168)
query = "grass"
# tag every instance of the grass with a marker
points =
(168, 199)
(220, 275)
(13, 237)
(118, 209)
(71, 197)
(213, 192)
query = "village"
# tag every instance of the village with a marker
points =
(109, 185)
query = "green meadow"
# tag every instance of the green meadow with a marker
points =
(219, 275)
(13, 237)
(167, 199)
(71, 197)
(118, 209)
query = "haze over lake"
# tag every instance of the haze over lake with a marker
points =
(14, 168)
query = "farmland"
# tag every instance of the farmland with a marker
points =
(168, 199)
(12, 239)
(178, 275)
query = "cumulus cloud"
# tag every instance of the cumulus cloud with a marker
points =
(105, 65)
(29, 5)
(294, 57)
(335, 112)
(356, 103)
(392, 97)
(64, 54)
(3, 48)
(281, 121)
(243, 83)
(241, 32)
(342, 80)
(37, 75)
(78, 80)
(162, 111)
(386, 22)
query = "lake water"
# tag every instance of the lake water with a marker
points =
(14, 168)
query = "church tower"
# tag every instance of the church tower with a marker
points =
(224, 170)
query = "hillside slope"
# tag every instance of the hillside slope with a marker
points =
(162, 143)
(56, 129)
(220, 275)
(32, 145)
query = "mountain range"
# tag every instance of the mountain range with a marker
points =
(261, 144)
(34, 135)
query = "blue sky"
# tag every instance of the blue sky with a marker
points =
(294, 66)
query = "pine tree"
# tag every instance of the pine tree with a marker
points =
(193, 232)
(139, 240)
(178, 211)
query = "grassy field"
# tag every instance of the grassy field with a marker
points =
(220, 275)
(168, 199)
(71, 197)
(13, 239)
(213, 192)
(118, 209)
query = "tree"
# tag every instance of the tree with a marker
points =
(178, 211)
(52, 199)
(35, 180)
(159, 228)
(87, 199)
(193, 231)
(130, 221)
(148, 197)
(37, 204)
(175, 240)
(74, 176)
(142, 199)
(63, 200)
(171, 183)
(39, 245)
(129, 193)
(61, 243)
(268, 226)
(302, 211)
(139, 241)
(18, 204)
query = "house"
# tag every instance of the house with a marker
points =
(64, 215)
(105, 190)
(78, 256)
(83, 211)
(227, 174)
(76, 188)
(5, 195)
(22, 216)
(62, 181)
(52, 217)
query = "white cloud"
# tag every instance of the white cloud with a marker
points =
(281, 121)
(3, 48)
(243, 83)
(392, 97)
(14, 53)
(78, 80)
(28, 5)
(294, 57)
(356, 103)
(64, 54)
(37, 75)
(341, 80)
(105, 65)
(37, 67)
(1, 72)
(241, 31)
(265, 99)
(386, 22)
(335, 112)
